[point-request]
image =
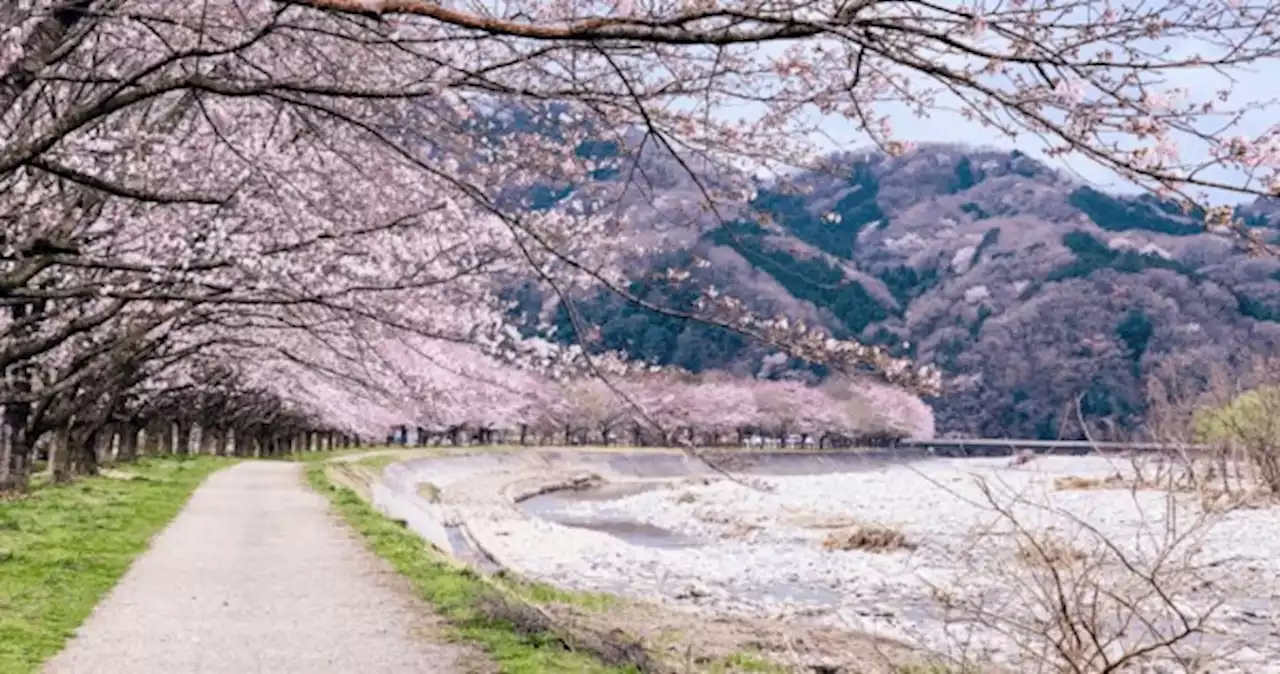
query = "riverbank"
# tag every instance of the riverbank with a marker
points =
(770, 549)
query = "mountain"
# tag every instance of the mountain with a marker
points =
(1033, 292)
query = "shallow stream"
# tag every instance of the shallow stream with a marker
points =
(551, 506)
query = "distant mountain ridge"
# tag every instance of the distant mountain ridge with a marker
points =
(1030, 290)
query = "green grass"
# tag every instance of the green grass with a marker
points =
(62, 548)
(544, 593)
(321, 457)
(379, 462)
(744, 661)
(457, 593)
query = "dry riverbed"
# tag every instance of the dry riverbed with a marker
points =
(834, 568)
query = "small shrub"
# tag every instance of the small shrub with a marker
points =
(869, 538)
(430, 492)
(1248, 426)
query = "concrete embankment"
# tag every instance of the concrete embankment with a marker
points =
(455, 501)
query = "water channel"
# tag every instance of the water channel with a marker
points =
(553, 506)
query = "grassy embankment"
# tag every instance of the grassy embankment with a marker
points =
(499, 614)
(62, 548)
(471, 604)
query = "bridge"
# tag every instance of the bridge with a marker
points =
(1008, 446)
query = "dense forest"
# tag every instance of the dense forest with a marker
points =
(1040, 298)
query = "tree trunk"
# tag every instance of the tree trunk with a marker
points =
(128, 443)
(84, 453)
(15, 450)
(208, 440)
(159, 438)
(164, 436)
(15, 474)
(109, 444)
(182, 445)
(60, 456)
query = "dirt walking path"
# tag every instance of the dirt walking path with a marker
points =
(257, 576)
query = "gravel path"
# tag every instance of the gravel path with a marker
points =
(256, 575)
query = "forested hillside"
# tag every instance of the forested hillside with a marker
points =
(1030, 290)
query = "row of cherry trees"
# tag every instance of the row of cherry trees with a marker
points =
(671, 408)
(266, 219)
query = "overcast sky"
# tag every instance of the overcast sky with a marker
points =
(1260, 84)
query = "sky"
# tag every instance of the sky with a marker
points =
(1260, 86)
(1259, 83)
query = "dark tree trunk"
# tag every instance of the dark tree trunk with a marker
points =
(84, 452)
(128, 443)
(60, 456)
(16, 472)
(183, 446)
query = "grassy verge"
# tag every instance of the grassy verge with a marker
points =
(460, 595)
(321, 457)
(379, 462)
(62, 548)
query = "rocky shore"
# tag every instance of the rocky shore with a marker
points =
(879, 550)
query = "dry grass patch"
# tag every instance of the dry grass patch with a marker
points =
(869, 538)
(695, 642)
(353, 476)
(1078, 483)
(1050, 551)
(743, 530)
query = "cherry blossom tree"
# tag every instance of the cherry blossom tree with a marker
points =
(293, 193)
(1145, 90)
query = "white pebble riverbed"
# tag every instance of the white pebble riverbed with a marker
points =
(761, 553)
